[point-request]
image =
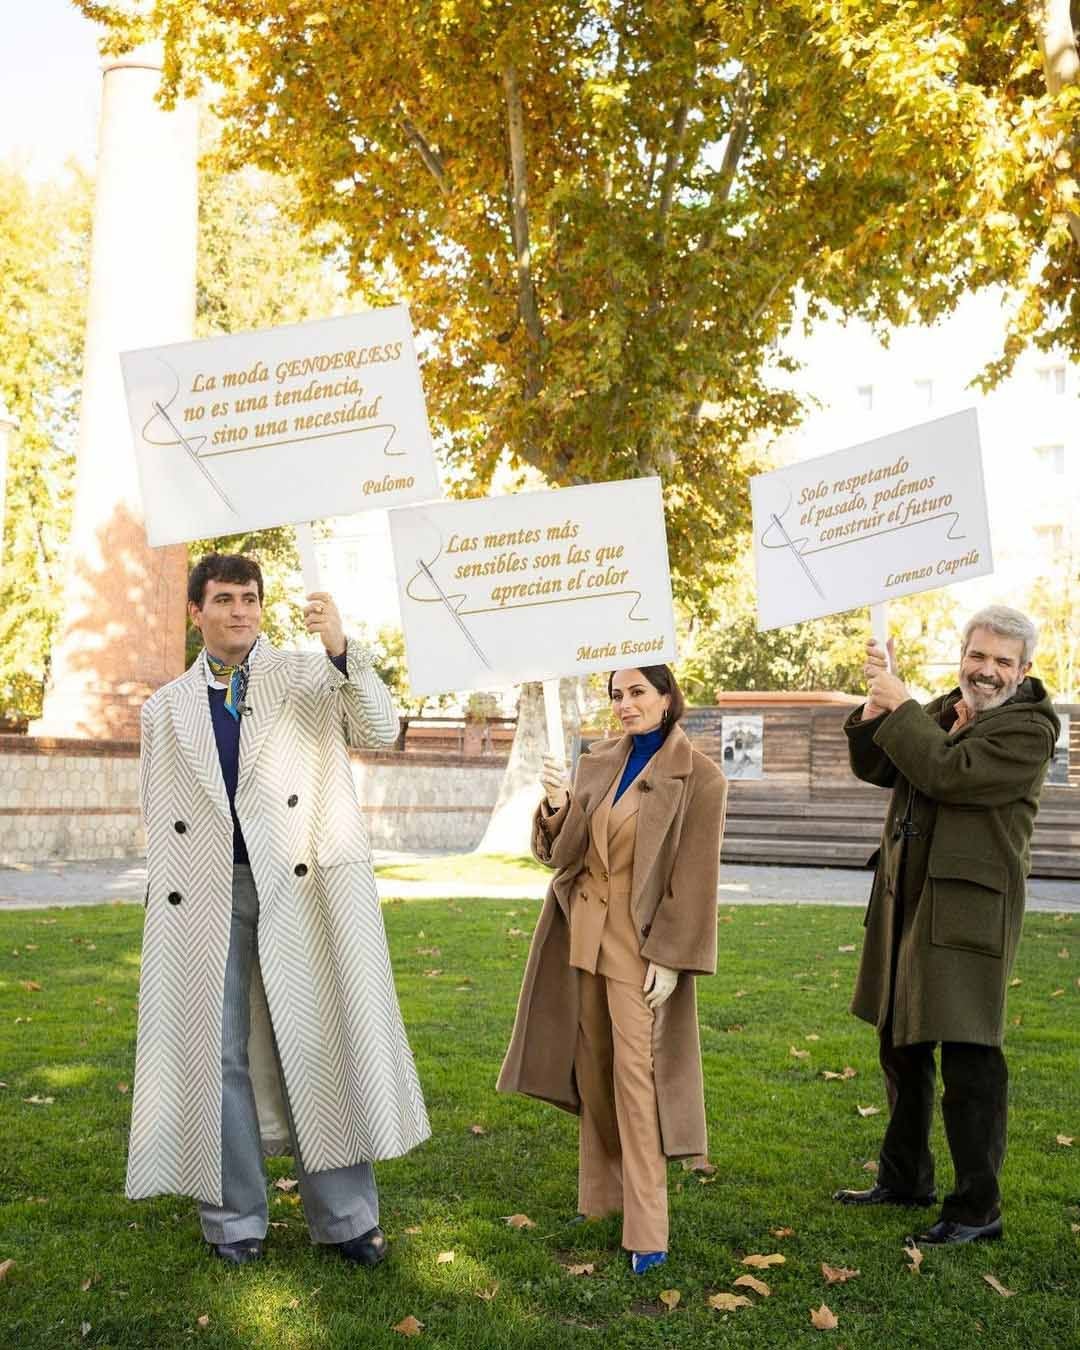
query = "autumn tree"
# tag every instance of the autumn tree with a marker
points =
(44, 252)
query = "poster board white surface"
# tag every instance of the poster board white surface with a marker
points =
(903, 513)
(281, 425)
(535, 585)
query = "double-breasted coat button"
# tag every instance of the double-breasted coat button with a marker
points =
(292, 800)
(300, 869)
(604, 876)
(646, 930)
(174, 897)
(180, 827)
(645, 786)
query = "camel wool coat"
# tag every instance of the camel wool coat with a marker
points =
(323, 987)
(680, 825)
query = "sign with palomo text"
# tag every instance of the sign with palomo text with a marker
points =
(286, 424)
(499, 590)
(903, 513)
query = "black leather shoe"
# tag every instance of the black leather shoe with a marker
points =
(883, 1195)
(366, 1250)
(946, 1232)
(238, 1253)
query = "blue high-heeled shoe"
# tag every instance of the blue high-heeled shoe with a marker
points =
(640, 1262)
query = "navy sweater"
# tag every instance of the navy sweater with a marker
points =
(227, 737)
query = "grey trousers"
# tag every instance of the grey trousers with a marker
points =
(338, 1204)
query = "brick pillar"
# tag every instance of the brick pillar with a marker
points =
(122, 632)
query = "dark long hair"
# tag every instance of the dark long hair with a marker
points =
(663, 680)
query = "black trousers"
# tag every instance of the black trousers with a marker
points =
(974, 1107)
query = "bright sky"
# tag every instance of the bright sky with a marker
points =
(50, 86)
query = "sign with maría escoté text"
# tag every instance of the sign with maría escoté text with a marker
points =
(903, 513)
(282, 425)
(498, 590)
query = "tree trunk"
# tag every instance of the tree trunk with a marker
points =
(1061, 62)
(510, 828)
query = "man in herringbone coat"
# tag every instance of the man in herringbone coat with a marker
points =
(268, 1019)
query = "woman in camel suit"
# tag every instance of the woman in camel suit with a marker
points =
(606, 1023)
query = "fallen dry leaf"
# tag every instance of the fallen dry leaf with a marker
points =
(429, 951)
(849, 947)
(581, 1270)
(444, 1258)
(84, 1329)
(413, 1229)
(845, 1074)
(914, 1255)
(5, 1266)
(998, 1288)
(739, 993)
(122, 1087)
(409, 1326)
(868, 1110)
(31, 946)
(870, 1166)
(823, 1318)
(1065, 1140)
(799, 1054)
(477, 1129)
(278, 1223)
(1064, 953)
(813, 1037)
(729, 1302)
(487, 1294)
(670, 1298)
(286, 1184)
(763, 1262)
(39, 1101)
(519, 1221)
(1075, 1227)
(749, 1282)
(1057, 993)
(703, 1169)
(432, 974)
(837, 1274)
(782, 1232)
(515, 932)
(293, 1303)
(31, 986)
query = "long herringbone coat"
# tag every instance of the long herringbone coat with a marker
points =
(325, 968)
(680, 825)
(970, 797)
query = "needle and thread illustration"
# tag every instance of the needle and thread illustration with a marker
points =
(790, 543)
(452, 611)
(193, 456)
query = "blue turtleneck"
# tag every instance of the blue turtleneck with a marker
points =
(645, 746)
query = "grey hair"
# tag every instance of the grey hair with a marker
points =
(1006, 623)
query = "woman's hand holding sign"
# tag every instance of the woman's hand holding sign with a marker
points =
(554, 780)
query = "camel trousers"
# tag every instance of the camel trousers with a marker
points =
(614, 1056)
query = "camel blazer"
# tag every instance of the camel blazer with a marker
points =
(603, 939)
(672, 900)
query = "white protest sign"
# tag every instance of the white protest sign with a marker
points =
(903, 513)
(499, 590)
(287, 424)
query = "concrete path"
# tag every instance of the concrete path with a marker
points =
(124, 881)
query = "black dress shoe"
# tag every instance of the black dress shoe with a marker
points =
(366, 1250)
(883, 1195)
(238, 1253)
(947, 1231)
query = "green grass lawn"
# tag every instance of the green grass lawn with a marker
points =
(782, 1139)
(501, 869)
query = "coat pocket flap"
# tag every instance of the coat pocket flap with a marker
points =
(980, 871)
(334, 852)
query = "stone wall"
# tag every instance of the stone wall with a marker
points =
(79, 799)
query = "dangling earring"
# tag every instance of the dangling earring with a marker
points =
(665, 719)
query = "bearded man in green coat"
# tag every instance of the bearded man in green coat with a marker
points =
(947, 906)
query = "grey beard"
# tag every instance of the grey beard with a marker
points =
(980, 698)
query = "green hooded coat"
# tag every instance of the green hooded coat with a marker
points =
(958, 868)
